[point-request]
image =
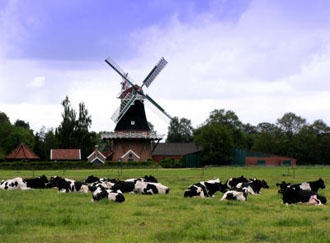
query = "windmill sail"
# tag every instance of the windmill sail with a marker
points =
(116, 67)
(125, 105)
(154, 72)
(158, 106)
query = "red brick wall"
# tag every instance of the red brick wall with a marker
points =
(141, 147)
(271, 161)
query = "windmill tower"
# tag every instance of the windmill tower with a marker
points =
(132, 138)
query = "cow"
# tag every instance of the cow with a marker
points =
(232, 182)
(253, 186)
(238, 195)
(19, 183)
(14, 184)
(150, 188)
(101, 193)
(91, 179)
(205, 188)
(104, 182)
(292, 195)
(66, 185)
(309, 186)
(146, 178)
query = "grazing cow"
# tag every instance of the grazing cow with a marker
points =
(232, 182)
(19, 183)
(309, 186)
(296, 195)
(238, 195)
(253, 186)
(150, 188)
(204, 188)
(67, 185)
(101, 193)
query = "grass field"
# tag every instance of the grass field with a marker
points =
(48, 216)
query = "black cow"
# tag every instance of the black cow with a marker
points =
(309, 186)
(101, 193)
(204, 188)
(296, 195)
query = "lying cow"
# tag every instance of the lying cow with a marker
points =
(67, 185)
(204, 188)
(101, 193)
(309, 186)
(238, 195)
(296, 195)
(253, 186)
(19, 183)
(232, 182)
(150, 188)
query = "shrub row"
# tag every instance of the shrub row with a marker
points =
(58, 165)
(172, 163)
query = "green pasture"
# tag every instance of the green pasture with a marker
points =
(48, 216)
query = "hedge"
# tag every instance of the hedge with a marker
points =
(58, 165)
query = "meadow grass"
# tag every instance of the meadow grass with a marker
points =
(48, 216)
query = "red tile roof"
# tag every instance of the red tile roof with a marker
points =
(22, 152)
(65, 154)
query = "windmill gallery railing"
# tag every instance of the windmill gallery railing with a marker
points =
(129, 134)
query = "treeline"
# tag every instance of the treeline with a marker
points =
(222, 131)
(290, 136)
(73, 132)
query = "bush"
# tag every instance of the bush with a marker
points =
(172, 163)
(58, 165)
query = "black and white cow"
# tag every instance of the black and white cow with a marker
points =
(309, 186)
(19, 183)
(104, 182)
(205, 188)
(67, 185)
(91, 179)
(232, 182)
(238, 195)
(297, 195)
(253, 186)
(150, 188)
(101, 193)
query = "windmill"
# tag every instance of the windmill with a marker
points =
(132, 137)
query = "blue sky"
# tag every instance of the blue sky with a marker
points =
(258, 58)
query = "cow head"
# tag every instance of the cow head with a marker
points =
(283, 186)
(264, 184)
(320, 183)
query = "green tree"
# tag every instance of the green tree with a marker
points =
(217, 143)
(65, 132)
(180, 131)
(230, 120)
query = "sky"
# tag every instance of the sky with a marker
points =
(258, 58)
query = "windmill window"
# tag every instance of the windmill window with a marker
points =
(132, 123)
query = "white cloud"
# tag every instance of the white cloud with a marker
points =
(37, 82)
(261, 66)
